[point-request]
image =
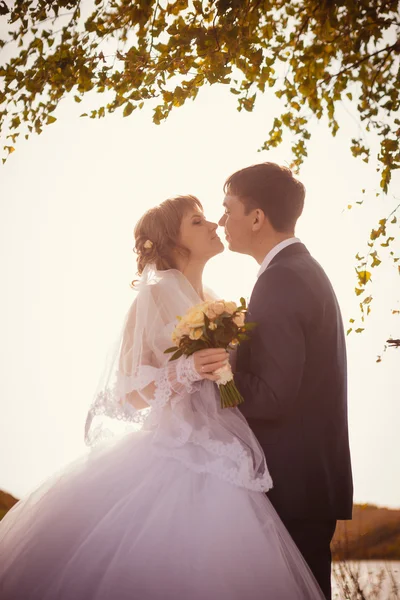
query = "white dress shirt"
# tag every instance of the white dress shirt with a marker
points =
(275, 250)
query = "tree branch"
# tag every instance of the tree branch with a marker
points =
(152, 26)
(379, 70)
(388, 49)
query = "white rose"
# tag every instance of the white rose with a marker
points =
(239, 319)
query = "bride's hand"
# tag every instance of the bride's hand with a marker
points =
(209, 360)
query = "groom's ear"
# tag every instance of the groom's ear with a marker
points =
(258, 219)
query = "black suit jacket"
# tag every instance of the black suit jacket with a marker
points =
(292, 375)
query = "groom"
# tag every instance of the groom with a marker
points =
(292, 372)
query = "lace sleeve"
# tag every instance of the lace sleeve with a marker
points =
(175, 380)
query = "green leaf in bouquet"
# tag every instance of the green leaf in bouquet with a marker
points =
(208, 337)
(226, 320)
(207, 333)
(185, 342)
(219, 322)
(195, 346)
(242, 302)
(242, 337)
(250, 325)
(172, 349)
(231, 327)
(225, 315)
(177, 354)
(225, 337)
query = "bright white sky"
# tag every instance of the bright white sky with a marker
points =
(69, 202)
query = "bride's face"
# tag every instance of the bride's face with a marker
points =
(199, 236)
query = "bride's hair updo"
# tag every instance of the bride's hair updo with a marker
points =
(157, 232)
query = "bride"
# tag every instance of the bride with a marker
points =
(175, 508)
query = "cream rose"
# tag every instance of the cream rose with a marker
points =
(231, 307)
(183, 329)
(211, 314)
(218, 307)
(195, 318)
(196, 334)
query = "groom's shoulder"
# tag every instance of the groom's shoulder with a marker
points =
(291, 263)
(290, 273)
(295, 259)
(282, 277)
(294, 276)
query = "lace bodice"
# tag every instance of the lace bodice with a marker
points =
(169, 399)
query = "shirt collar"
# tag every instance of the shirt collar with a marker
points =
(275, 250)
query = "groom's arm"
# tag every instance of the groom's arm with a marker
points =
(274, 369)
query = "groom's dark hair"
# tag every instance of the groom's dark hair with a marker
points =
(271, 188)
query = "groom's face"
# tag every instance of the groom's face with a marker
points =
(237, 225)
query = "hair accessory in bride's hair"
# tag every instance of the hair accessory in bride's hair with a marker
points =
(148, 244)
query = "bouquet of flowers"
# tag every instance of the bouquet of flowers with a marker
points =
(213, 324)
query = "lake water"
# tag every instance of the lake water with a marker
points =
(378, 580)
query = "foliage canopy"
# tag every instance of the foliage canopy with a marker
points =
(313, 54)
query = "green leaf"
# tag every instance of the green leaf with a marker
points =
(177, 354)
(172, 349)
(242, 337)
(249, 326)
(195, 346)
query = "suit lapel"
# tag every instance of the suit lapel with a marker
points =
(292, 250)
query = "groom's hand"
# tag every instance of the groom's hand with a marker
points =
(209, 360)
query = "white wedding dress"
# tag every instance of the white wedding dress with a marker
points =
(175, 508)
